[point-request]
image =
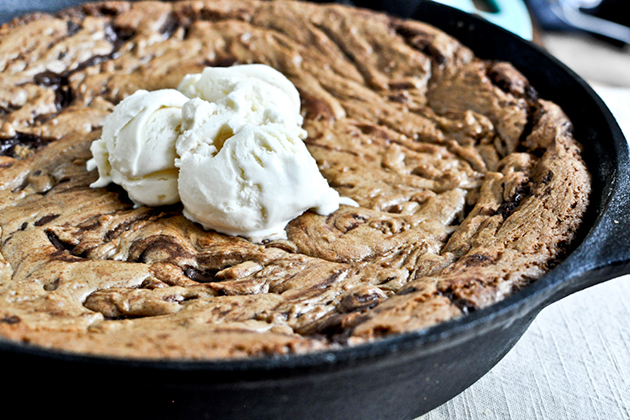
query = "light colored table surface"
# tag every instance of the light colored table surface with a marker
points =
(573, 362)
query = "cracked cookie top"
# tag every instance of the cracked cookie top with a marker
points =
(469, 185)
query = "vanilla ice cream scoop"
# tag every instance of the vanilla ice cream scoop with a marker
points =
(137, 147)
(254, 184)
(256, 92)
(227, 143)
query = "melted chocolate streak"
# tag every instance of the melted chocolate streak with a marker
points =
(60, 84)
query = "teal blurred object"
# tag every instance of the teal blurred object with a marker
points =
(512, 15)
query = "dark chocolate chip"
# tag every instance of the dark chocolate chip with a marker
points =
(547, 178)
(58, 243)
(10, 319)
(462, 304)
(46, 219)
(201, 276)
(221, 61)
(507, 208)
(117, 36)
(73, 28)
(59, 83)
(8, 145)
(407, 291)
(170, 26)
(49, 78)
(358, 302)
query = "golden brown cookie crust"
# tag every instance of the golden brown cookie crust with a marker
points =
(470, 187)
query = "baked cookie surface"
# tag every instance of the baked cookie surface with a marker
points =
(470, 186)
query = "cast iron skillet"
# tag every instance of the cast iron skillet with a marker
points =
(396, 378)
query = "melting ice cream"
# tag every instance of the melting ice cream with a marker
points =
(228, 143)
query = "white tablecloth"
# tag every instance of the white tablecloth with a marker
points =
(573, 362)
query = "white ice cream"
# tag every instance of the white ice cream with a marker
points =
(256, 92)
(137, 147)
(229, 146)
(254, 184)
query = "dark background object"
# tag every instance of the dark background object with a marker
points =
(606, 19)
(400, 377)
